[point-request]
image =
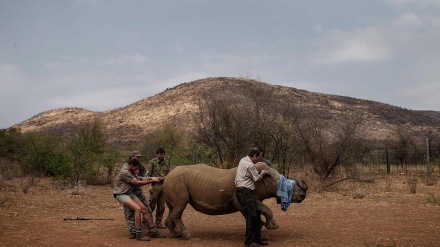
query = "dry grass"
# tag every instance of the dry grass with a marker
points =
(433, 199)
(318, 221)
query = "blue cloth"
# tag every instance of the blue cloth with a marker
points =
(284, 191)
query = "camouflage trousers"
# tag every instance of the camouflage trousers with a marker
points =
(157, 201)
(129, 214)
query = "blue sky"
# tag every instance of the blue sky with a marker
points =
(101, 55)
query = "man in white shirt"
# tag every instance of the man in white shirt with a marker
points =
(245, 179)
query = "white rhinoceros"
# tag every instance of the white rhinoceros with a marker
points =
(211, 191)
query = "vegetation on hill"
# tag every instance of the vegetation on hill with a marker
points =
(216, 121)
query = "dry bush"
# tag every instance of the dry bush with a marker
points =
(309, 177)
(77, 190)
(62, 184)
(388, 183)
(359, 194)
(430, 178)
(380, 244)
(26, 183)
(347, 180)
(98, 179)
(4, 199)
(412, 181)
(9, 170)
(67, 184)
(432, 199)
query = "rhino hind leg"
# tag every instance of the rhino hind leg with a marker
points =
(177, 229)
(171, 227)
(177, 202)
(185, 234)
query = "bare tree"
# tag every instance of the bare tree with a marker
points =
(326, 150)
(223, 126)
(402, 145)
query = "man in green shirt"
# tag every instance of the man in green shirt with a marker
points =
(158, 167)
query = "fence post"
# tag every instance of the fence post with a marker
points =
(427, 151)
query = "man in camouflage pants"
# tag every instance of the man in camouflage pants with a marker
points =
(158, 167)
(129, 215)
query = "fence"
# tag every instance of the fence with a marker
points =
(397, 160)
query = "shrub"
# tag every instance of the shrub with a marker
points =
(374, 244)
(9, 169)
(430, 178)
(78, 190)
(432, 199)
(412, 184)
(388, 184)
(359, 194)
(26, 183)
(4, 199)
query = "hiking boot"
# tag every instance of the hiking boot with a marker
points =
(262, 243)
(142, 238)
(132, 236)
(160, 225)
(156, 234)
(252, 245)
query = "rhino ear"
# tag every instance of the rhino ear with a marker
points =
(261, 166)
(302, 185)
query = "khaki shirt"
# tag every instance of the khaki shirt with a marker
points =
(157, 168)
(122, 182)
(247, 174)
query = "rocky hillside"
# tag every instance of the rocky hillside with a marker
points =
(125, 126)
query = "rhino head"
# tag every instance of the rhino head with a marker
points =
(270, 181)
(299, 191)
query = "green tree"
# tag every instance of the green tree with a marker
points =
(85, 147)
(108, 161)
(42, 154)
(11, 141)
(171, 139)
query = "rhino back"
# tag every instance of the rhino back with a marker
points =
(211, 190)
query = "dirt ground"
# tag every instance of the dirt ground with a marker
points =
(324, 219)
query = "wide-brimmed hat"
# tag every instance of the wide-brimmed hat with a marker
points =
(136, 153)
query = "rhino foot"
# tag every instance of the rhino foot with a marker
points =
(186, 236)
(271, 225)
(174, 235)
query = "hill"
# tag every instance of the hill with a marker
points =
(126, 125)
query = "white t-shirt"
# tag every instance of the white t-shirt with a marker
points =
(247, 174)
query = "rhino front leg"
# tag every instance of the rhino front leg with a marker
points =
(271, 224)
